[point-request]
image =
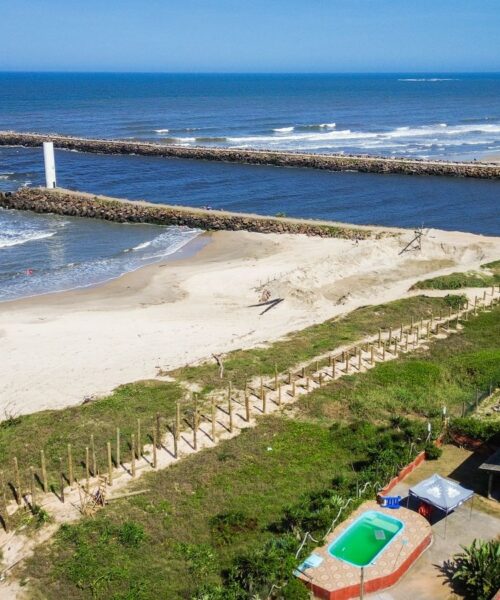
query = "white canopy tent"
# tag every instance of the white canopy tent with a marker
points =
(445, 494)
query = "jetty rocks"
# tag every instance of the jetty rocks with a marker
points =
(79, 204)
(329, 162)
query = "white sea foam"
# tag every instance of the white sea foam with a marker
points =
(328, 137)
(161, 131)
(472, 133)
(431, 79)
(76, 275)
(14, 238)
(142, 246)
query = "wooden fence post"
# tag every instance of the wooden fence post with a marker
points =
(360, 352)
(214, 410)
(87, 469)
(347, 362)
(132, 462)
(175, 435)
(195, 428)
(372, 354)
(264, 400)
(155, 448)
(247, 405)
(158, 430)
(279, 395)
(33, 488)
(61, 479)
(293, 388)
(383, 352)
(118, 448)
(94, 460)
(379, 337)
(110, 463)
(139, 440)
(390, 337)
(406, 341)
(230, 408)
(44, 472)
(17, 479)
(276, 377)
(71, 477)
(177, 419)
(4, 503)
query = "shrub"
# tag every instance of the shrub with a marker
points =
(455, 301)
(131, 534)
(200, 558)
(224, 526)
(477, 568)
(257, 571)
(475, 428)
(432, 452)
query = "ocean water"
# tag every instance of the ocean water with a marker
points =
(434, 116)
(406, 114)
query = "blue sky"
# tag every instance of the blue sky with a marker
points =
(254, 36)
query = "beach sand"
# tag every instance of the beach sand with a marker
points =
(59, 349)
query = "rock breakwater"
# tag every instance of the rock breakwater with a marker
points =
(329, 162)
(77, 204)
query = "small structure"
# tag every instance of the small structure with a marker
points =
(50, 165)
(492, 465)
(442, 493)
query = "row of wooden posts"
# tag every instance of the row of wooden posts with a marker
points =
(335, 365)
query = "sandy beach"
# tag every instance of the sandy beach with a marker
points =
(59, 349)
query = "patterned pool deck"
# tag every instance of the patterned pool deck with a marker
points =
(335, 579)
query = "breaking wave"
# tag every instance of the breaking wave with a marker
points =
(432, 79)
(14, 238)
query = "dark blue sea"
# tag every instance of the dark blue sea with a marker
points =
(447, 116)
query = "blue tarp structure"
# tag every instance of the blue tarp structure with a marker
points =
(442, 493)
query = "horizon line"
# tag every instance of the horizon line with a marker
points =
(140, 72)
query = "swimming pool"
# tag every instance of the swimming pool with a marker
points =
(362, 542)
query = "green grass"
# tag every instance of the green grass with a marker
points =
(52, 430)
(214, 514)
(303, 346)
(256, 474)
(418, 384)
(490, 275)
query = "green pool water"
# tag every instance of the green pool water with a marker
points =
(366, 538)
